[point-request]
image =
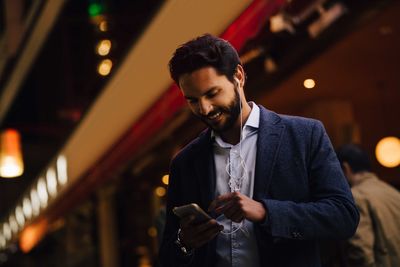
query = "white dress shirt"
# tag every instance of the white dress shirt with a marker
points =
(239, 248)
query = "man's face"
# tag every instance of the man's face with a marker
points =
(212, 97)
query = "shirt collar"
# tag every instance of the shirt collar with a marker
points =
(254, 118)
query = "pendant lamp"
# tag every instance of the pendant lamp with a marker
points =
(11, 163)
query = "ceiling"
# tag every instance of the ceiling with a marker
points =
(354, 60)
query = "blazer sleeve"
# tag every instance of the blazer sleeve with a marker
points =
(330, 211)
(170, 254)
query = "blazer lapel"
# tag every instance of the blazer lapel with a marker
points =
(268, 143)
(205, 169)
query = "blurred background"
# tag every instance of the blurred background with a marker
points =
(90, 119)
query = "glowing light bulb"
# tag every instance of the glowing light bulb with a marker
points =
(103, 26)
(51, 182)
(160, 191)
(62, 170)
(11, 164)
(19, 215)
(165, 179)
(103, 47)
(309, 83)
(387, 151)
(104, 67)
(42, 192)
(27, 208)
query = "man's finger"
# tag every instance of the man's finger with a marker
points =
(207, 234)
(220, 201)
(196, 235)
(237, 216)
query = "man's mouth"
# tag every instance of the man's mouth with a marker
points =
(214, 116)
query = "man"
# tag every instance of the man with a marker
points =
(272, 182)
(377, 239)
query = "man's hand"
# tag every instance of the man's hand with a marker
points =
(236, 206)
(195, 235)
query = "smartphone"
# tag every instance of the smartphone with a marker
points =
(192, 209)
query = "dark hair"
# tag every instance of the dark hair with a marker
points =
(355, 156)
(204, 51)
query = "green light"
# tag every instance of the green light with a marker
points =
(95, 9)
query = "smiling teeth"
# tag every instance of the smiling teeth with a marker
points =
(214, 116)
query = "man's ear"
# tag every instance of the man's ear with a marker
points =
(239, 75)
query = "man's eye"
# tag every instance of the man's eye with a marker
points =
(192, 101)
(212, 94)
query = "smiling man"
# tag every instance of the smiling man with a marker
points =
(271, 183)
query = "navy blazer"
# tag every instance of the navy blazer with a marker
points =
(297, 178)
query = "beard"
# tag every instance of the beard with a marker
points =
(231, 113)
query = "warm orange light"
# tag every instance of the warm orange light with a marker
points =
(152, 231)
(387, 151)
(11, 164)
(160, 191)
(104, 68)
(165, 179)
(309, 83)
(103, 25)
(31, 235)
(103, 47)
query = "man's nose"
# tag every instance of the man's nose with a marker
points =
(204, 107)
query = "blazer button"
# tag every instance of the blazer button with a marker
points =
(296, 235)
(299, 235)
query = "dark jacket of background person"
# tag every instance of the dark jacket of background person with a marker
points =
(297, 178)
(377, 239)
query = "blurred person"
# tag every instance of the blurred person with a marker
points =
(377, 239)
(271, 182)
